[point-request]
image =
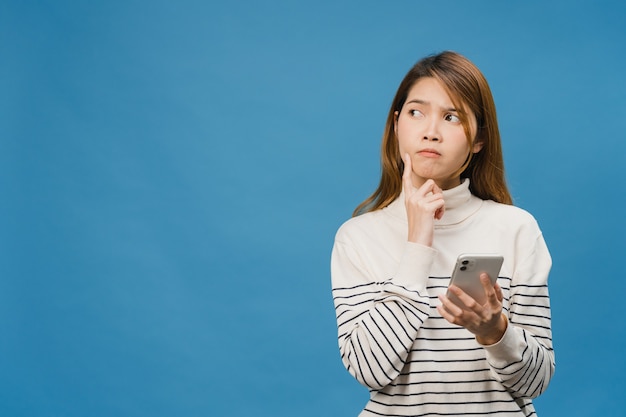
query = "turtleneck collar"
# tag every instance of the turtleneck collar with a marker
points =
(460, 204)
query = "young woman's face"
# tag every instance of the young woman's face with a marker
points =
(430, 131)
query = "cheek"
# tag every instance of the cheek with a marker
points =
(461, 147)
(399, 136)
(403, 134)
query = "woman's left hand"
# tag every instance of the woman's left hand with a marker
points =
(486, 321)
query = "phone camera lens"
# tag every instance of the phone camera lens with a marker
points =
(463, 268)
(465, 262)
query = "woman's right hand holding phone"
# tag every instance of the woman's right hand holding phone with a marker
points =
(423, 206)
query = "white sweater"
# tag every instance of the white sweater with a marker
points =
(393, 340)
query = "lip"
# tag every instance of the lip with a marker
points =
(429, 153)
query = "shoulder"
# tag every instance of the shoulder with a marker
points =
(360, 225)
(381, 225)
(511, 219)
(508, 212)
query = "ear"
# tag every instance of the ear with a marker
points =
(477, 147)
(395, 122)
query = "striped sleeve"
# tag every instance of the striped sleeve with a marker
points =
(378, 317)
(523, 361)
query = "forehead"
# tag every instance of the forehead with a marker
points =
(436, 93)
(430, 90)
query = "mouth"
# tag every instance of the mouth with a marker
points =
(429, 153)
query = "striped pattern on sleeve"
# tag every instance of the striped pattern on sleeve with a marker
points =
(377, 325)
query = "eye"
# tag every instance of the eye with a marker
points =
(416, 113)
(452, 118)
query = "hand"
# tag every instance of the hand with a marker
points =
(486, 321)
(423, 206)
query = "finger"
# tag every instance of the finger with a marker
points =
(444, 313)
(488, 287)
(486, 282)
(448, 309)
(407, 166)
(428, 187)
(428, 204)
(468, 302)
(407, 184)
(439, 212)
(454, 314)
(499, 294)
(493, 293)
(437, 191)
(441, 207)
(435, 205)
(431, 198)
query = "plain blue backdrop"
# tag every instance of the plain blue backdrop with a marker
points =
(172, 175)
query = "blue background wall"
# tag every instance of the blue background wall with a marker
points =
(172, 175)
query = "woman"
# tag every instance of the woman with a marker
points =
(442, 193)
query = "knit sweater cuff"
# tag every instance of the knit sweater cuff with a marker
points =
(506, 350)
(415, 265)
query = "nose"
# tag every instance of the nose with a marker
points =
(431, 133)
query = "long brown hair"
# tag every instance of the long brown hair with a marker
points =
(467, 88)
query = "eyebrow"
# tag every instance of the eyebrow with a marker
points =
(418, 101)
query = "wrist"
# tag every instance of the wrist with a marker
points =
(422, 235)
(496, 334)
(420, 239)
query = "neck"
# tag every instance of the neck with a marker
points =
(444, 184)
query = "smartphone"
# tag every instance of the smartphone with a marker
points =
(466, 274)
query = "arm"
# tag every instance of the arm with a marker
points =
(523, 360)
(378, 317)
(518, 347)
(378, 320)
